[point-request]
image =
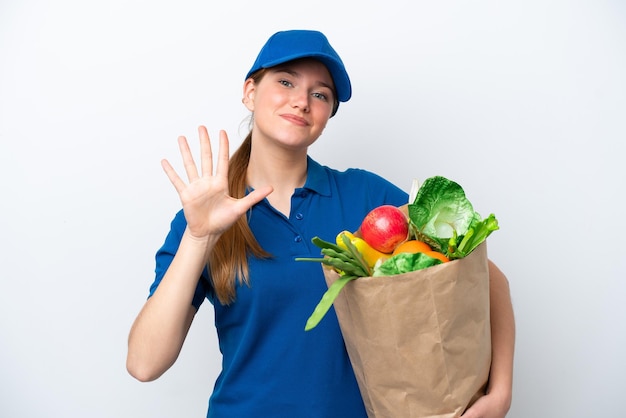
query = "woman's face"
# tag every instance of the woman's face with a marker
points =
(291, 103)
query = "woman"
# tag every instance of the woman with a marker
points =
(247, 220)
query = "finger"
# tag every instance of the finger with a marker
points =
(175, 179)
(189, 164)
(223, 156)
(206, 153)
(256, 196)
(475, 411)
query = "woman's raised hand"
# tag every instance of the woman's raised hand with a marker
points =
(209, 209)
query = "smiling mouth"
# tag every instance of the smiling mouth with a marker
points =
(295, 119)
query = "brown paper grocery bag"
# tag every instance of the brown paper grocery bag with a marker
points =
(419, 342)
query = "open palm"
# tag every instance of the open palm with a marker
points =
(209, 209)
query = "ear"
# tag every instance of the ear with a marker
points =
(249, 88)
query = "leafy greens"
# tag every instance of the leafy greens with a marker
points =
(403, 263)
(442, 216)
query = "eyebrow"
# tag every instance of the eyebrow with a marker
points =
(288, 70)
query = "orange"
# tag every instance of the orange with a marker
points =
(412, 246)
(437, 254)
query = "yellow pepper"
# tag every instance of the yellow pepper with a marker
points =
(339, 240)
(370, 255)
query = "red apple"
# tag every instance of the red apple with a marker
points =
(384, 227)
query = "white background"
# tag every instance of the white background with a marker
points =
(522, 102)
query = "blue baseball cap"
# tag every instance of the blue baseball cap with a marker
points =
(289, 45)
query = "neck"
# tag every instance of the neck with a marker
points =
(281, 170)
(284, 171)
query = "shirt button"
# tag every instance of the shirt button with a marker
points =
(298, 238)
(299, 216)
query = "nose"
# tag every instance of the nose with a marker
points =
(300, 99)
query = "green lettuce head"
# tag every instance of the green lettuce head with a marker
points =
(442, 216)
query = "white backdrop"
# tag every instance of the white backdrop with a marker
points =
(522, 102)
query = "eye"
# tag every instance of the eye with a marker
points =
(321, 96)
(285, 83)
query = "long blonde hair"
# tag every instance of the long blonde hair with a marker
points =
(228, 262)
(229, 258)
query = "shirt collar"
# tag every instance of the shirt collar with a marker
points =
(317, 178)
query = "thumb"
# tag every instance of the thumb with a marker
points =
(257, 195)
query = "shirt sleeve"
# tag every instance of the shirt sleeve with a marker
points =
(382, 191)
(165, 255)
